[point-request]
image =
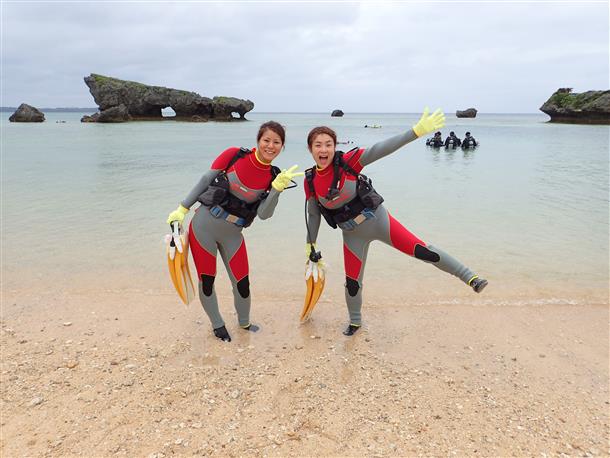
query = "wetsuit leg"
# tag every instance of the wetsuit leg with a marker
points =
(397, 236)
(235, 257)
(203, 249)
(355, 250)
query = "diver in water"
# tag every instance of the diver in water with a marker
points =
(469, 142)
(336, 190)
(240, 185)
(436, 141)
(452, 142)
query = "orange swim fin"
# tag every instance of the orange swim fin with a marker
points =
(177, 262)
(308, 294)
(186, 272)
(315, 279)
(171, 254)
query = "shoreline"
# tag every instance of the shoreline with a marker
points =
(121, 373)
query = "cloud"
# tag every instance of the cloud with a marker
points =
(499, 57)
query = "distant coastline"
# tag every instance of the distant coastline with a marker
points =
(54, 110)
(95, 109)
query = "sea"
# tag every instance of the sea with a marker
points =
(84, 205)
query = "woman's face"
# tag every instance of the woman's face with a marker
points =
(269, 146)
(323, 150)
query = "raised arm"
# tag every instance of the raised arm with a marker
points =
(386, 147)
(281, 182)
(267, 206)
(426, 124)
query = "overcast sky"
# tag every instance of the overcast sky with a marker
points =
(500, 57)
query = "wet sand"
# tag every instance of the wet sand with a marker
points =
(124, 372)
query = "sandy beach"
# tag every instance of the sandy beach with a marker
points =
(119, 373)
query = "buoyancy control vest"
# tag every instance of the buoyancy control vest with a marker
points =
(469, 142)
(218, 194)
(366, 196)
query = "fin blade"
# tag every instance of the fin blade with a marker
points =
(186, 273)
(318, 288)
(308, 294)
(180, 287)
(172, 270)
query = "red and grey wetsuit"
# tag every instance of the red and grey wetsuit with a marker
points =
(249, 179)
(370, 225)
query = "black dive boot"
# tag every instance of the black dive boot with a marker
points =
(351, 330)
(478, 284)
(222, 334)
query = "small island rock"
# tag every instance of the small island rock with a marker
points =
(27, 113)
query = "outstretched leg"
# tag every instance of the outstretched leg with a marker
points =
(400, 238)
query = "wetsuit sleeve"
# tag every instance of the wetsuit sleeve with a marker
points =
(267, 206)
(203, 184)
(385, 147)
(313, 219)
(220, 163)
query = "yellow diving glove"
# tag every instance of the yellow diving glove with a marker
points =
(284, 177)
(429, 123)
(311, 254)
(177, 215)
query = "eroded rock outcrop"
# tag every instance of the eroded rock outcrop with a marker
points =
(468, 113)
(27, 113)
(591, 107)
(132, 100)
(337, 113)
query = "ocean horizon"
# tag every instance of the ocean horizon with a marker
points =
(528, 209)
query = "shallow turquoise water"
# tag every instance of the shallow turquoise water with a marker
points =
(529, 206)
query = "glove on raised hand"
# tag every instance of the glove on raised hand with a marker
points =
(284, 177)
(429, 123)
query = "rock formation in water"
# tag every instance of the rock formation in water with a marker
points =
(468, 113)
(131, 100)
(27, 113)
(337, 113)
(591, 107)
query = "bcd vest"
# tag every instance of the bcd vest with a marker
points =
(366, 196)
(217, 193)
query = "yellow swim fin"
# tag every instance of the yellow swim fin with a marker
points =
(315, 279)
(171, 254)
(177, 261)
(186, 273)
(308, 294)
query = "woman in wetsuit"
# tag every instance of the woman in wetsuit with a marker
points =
(240, 185)
(336, 190)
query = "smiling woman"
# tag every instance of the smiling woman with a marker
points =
(336, 190)
(240, 185)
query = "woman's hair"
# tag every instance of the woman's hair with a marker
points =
(313, 133)
(274, 127)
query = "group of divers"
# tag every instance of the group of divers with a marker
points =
(452, 141)
(242, 184)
